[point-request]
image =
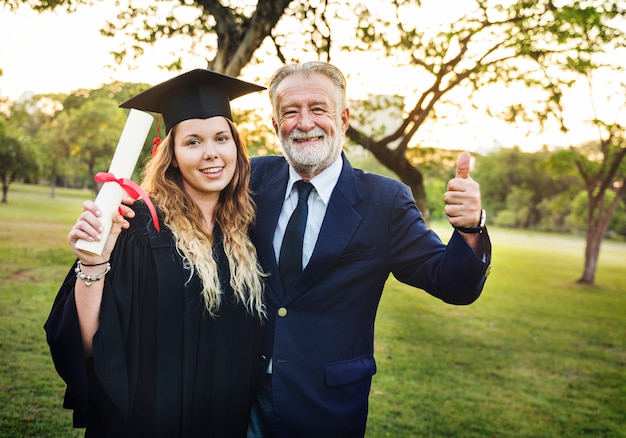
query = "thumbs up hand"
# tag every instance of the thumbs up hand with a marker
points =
(463, 206)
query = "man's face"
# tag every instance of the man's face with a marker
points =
(310, 130)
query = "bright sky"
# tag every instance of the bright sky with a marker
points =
(60, 52)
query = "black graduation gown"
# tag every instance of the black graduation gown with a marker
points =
(161, 365)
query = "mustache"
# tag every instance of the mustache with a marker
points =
(297, 134)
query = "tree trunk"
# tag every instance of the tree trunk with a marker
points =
(238, 39)
(415, 180)
(592, 253)
(598, 220)
(53, 184)
(395, 160)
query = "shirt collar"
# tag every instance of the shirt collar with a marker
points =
(324, 182)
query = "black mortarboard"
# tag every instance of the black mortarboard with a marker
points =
(197, 94)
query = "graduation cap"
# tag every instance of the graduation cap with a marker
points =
(197, 94)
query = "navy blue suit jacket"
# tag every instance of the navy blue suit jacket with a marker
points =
(321, 333)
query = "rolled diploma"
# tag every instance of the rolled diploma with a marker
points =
(123, 164)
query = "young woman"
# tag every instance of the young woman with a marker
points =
(160, 335)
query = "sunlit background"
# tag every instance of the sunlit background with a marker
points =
(536, 346)
(61, 52)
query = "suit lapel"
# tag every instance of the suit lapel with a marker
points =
(340, 223)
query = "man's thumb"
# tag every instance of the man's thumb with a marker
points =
(463, 165)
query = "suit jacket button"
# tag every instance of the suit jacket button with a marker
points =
(282, 312)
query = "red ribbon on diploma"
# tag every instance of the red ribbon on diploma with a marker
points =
(133, 190)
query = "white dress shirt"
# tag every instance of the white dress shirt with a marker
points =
(324, 184)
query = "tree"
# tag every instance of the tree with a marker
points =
(52, 140)
(230, 34)
(603, 170)
(489, 42)
(601, 164)
(15, 159)
(94, 130)
(500, 44)
(37, 116)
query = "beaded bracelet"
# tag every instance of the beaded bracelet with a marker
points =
(90, 278)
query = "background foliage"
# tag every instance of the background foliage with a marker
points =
(77, 138)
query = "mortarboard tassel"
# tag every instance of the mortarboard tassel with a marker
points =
(156, 141)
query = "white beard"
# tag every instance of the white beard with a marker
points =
(312, 160)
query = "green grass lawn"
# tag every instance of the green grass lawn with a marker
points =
(535, 356)
(34, 258)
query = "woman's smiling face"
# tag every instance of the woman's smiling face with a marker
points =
(205, 152)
